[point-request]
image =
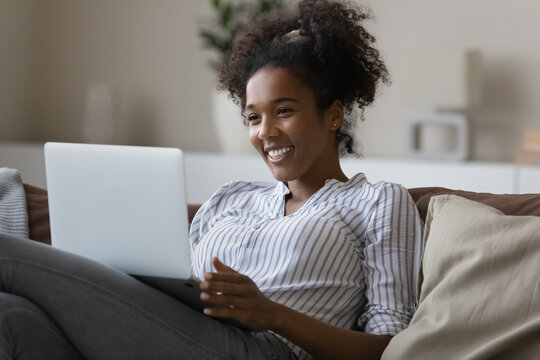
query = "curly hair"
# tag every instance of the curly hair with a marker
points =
(325, 44)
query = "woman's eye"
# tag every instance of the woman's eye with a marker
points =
(252, 118)
(282, 111)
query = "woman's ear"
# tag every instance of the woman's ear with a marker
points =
(334, 115)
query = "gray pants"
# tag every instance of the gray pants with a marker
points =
(59, 306)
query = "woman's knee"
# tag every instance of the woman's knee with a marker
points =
(27, 332)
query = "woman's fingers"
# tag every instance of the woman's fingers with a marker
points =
(229, 301)
(221, 267)
(234, 295)
(223, 287)
(222, 312)
(226, 277)
(234, 308)
(255, 314)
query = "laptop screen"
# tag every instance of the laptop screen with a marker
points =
(124, 206)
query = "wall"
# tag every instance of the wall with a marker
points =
(18, 59)
(149, 52)
(503, 31)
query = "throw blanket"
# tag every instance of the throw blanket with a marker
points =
(13, 212)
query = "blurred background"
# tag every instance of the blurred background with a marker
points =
(136, 72)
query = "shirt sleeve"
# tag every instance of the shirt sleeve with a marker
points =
(393, 246)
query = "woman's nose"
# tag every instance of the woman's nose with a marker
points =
(267, 128)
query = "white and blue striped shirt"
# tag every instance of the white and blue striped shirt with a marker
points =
(348, 257)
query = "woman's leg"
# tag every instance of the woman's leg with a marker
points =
(107, 314)
(26, 332)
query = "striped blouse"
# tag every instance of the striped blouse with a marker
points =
(348, 257)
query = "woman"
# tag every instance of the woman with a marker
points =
(321, 265)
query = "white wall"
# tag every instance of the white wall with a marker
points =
(505, 32)
(52, 50)
(17, 68)
(147, 50)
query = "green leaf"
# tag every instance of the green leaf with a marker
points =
(229, 18)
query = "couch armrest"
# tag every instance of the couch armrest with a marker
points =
(37, 205)
(192, 210)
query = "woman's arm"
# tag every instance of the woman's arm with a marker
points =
(242, 300)
(325, 341)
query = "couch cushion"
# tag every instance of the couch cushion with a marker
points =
(479, 286)
(510, 204)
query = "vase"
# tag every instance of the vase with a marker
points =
(438, 135)
(99, 114)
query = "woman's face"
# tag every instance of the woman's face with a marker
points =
(294, 137)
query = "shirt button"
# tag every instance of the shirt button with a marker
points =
(256, 226)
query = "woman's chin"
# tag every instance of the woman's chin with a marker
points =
(281, 174)
(281, 168)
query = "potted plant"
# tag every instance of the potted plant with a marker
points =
(230, 17)
(217, 34)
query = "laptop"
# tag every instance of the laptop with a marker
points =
(126, 207)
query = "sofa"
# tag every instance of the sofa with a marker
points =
(479, 285)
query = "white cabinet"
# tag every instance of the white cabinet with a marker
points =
(471, 176)
(205, 172)
(528, 179)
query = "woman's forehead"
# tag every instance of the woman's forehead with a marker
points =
(274, 81)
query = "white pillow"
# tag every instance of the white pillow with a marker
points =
(479, 286)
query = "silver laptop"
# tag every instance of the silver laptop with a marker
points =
(124, 206)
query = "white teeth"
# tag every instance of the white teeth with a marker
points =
(279, 152)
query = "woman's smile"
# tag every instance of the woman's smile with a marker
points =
(277, 154)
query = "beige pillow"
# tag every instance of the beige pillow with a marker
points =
(479, 287)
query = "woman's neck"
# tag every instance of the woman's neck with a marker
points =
(302, 189)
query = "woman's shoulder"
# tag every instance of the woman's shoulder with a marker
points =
(241, 187)
(358, 193)
(235, 194)
(360, 182)
(389, 187)
(235, 191)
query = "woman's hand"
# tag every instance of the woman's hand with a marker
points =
(237, 297)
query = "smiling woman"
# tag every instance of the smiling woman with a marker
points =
(318, 254)
(319, 265)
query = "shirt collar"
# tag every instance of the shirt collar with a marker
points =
(278, 199)
(281, 189)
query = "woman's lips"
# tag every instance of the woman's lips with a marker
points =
(279, 153)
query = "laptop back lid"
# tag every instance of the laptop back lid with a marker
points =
(124, 206)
